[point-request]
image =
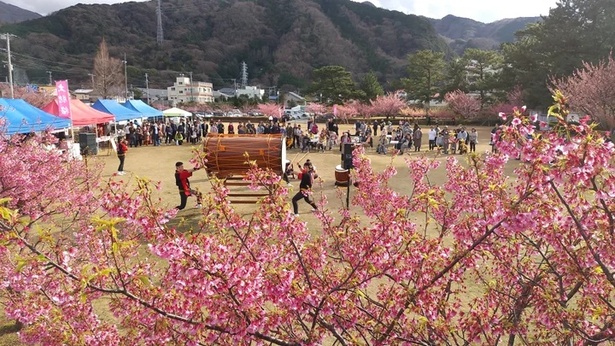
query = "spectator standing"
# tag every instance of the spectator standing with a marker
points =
(473, 138)
(122, 148)
(433, 134)
(417, 136)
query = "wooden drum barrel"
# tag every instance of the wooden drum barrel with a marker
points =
(342, 176)
(226, 153)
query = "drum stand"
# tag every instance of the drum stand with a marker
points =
(246, 196)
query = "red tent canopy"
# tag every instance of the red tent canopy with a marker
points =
(82, 114)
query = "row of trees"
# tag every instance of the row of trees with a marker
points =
(473, 90)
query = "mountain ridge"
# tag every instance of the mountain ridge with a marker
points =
(462, 33)
(14, 14)
(281, 40)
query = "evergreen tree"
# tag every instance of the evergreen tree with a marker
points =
(455, 76)
(425, 75)
(482, 70)
(371, 87)
(574, 32)
(333, 83)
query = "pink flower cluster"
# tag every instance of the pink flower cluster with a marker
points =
(481, 258)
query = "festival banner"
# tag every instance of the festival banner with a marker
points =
(63, 99)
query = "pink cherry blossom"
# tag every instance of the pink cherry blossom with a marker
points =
(486, 256)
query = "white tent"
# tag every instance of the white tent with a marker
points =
(176, 112)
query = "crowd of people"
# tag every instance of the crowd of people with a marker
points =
(190, 131)
(455, 141)
(313, 137)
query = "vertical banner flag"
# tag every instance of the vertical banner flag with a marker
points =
(63, 99)
(335, 110)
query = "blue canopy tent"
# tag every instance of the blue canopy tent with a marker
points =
(120, 112)
(143, 108)
(22, 117)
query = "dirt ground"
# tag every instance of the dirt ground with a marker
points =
(157, 164)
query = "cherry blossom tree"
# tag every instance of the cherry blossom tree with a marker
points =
(270, 109)
(159, 106)
(224, 107)
(513, 99)
(346, 111)
(590, 90)
(191, 107)
(482, 259)
(36, 98)
(204, 107)
(465, 106)
(388, 105)
(364, 110)
(316, 108)
(412, 113)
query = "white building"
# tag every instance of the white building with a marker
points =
(251, 92)
(184, 92)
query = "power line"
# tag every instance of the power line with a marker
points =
(32, 62)
(49, 61)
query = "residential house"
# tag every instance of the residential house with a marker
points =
(224, 93)
(84, 95)
(160, 95)
(293, 99)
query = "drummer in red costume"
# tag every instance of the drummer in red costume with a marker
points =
(182, 182)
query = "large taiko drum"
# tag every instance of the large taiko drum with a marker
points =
(342, 176)
(226, 153)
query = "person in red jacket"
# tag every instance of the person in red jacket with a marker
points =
(122, 148)
(182, 182)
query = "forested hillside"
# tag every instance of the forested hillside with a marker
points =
(13, 14)
(282, 41)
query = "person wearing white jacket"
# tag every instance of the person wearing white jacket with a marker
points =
(433, 134)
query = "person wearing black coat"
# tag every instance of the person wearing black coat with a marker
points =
(307, 179)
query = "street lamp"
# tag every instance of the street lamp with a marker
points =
(125, 77)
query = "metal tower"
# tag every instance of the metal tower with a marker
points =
(159, 34)
(244, 74)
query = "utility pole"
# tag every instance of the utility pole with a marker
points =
(125, 78)
(50, 79)
(147, 88)
(7, 36)
(191, 88)
(92, 75)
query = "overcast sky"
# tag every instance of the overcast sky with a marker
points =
(481, 10)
